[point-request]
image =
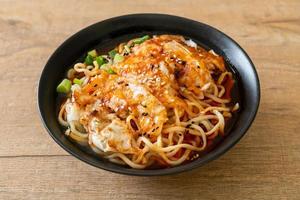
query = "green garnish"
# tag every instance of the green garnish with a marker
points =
(111, 71)
(127, 49)
(141, 39)
(104, 66)
(118, 58)
(93, 53)
(112, 53)
(88, 60)
(77, 81)
(100, 60)
(64, 86)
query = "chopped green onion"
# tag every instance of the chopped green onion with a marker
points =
(127, 49)
(118, 58)
(111, 71)
(77, 81)
(141, 39)
(64, 86)
(112, 53)
(88, 60)
(100, 60)
(104, 66)
(93, 53)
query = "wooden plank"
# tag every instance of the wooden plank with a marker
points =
(66, 177)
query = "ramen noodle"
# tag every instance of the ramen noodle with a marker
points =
(152, 101)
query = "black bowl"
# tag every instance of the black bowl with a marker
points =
(105, 35)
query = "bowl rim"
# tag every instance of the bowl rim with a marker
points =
(153, 172)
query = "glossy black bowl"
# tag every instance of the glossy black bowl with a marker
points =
(105, 35)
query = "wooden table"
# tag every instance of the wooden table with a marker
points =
(264, 165)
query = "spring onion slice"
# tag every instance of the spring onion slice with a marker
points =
(100, 60)
(64, 86)
(104, 66)
(141, 39)
(93, 53)
(127, 49)
(112, 53)
(111, 71)
(118, 58)
(88, 60)
(77, 81)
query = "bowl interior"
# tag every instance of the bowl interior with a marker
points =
(109, 33)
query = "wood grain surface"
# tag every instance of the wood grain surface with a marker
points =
(265, 164)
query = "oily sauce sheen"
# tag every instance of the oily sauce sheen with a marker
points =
(162, 104)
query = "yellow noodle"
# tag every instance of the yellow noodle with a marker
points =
(196, 114)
